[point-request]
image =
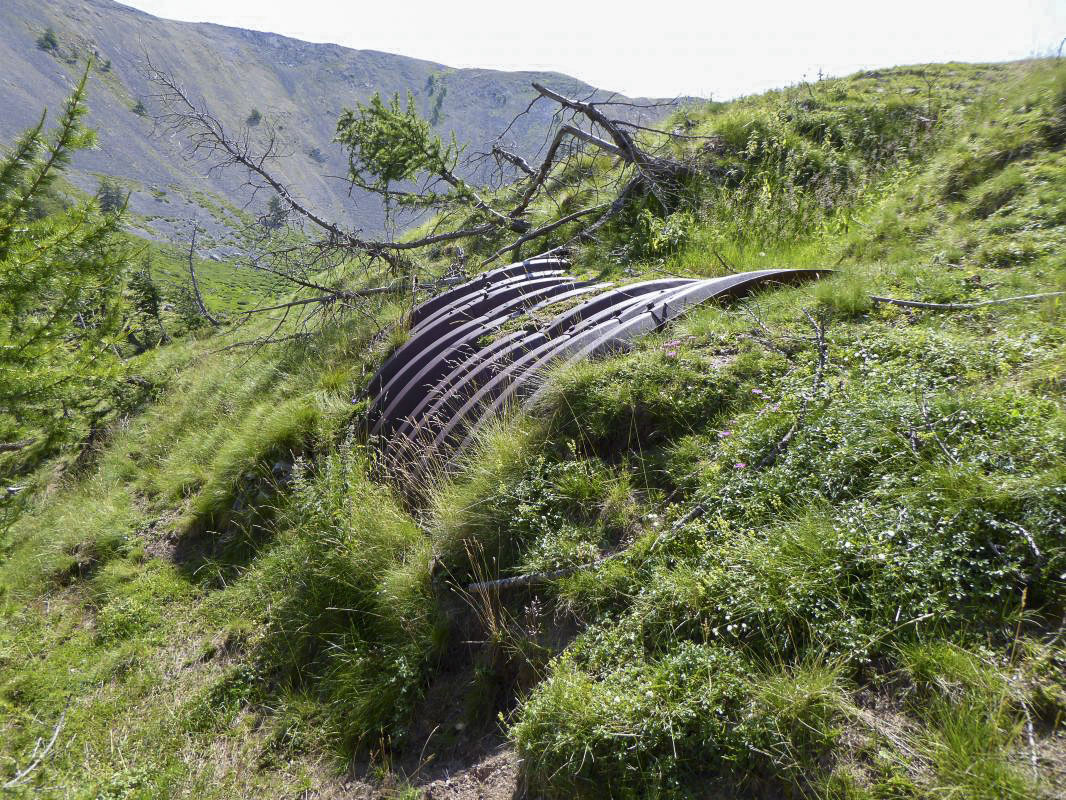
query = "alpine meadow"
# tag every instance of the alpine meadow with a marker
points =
(802, 537)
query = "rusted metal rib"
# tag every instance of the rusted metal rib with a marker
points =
(430, 341)
(495, 392)
(655, 316)
(459, 344)
(464, 358)
(489, 362)
(455, 314)
(492, 290)
(493, 277)
(527, 384)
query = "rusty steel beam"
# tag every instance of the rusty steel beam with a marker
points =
(491, 361)
(656, 315)
(492, 290)
(431, 339)
(464, 358)
(532, 350)
(527, 385)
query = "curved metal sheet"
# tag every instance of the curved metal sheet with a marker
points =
(439, 388)
(432, 305)
(608, 335)
(488, 363)
(457, 345)
(479, 303)
(495, 391)
(464, 301)
(467, 359)
(669, 308)
(419, 349)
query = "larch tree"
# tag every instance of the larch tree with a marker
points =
(60, 290)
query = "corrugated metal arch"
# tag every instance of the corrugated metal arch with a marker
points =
(439, 388)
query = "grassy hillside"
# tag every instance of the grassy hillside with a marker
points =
(819, 538)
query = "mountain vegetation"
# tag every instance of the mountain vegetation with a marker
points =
(259, 81)
(809, 544)
(60, 281)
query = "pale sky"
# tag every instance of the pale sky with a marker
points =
(659, 48)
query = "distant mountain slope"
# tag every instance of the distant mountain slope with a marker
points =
(301, 86)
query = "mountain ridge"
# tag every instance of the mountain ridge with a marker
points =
(301, 87)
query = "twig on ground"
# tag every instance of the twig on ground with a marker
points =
(930, 426)
(197, 297)
(723, 262)
(35, 759)
(543, 577)
(962, 306)
(1033, 760)
(14, 447)
(819, 372)
(1029, 540)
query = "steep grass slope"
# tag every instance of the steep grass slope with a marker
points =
(816, 540)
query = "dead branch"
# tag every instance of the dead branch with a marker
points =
(340, 295)
(623, 142)
(963, 306)
(819, 371)
(1029, 540)
(14, 447)
(544, 230)
(207, 134)
(532, 579)
(35, 760)
(661, 132)
(197, 297)
(586, 233)
(514, 159)
(262, 341)
(528, 580)
(930, 426)
(485, 218)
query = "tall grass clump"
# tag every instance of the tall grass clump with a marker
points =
(348, 601)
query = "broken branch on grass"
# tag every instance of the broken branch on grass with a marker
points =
(494, 219)
(263, 341)
(532, 579)
(963, 306)
(1029, 540)
(931, 427)
(543, 231)
(819, 371)
(14, 447)
(513, 159)
(35, 760)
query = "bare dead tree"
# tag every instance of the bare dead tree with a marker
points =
(320, 263)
